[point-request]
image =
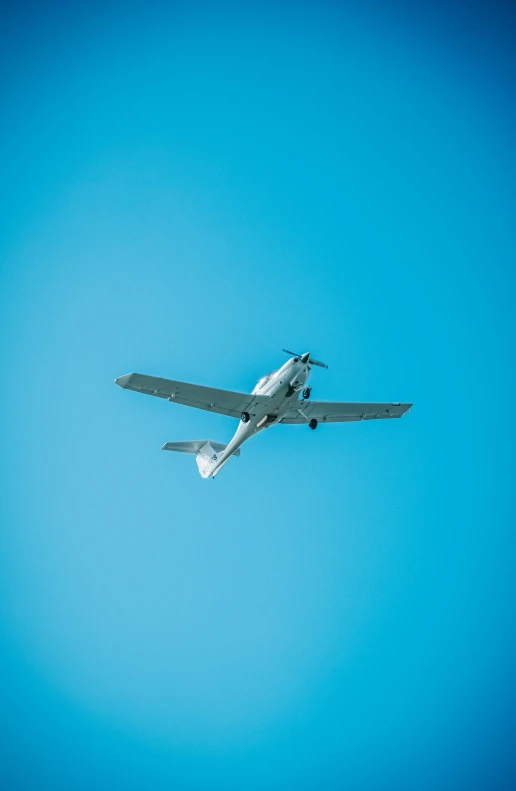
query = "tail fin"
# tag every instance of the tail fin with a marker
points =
(208, 452)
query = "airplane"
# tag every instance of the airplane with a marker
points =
(275, 399)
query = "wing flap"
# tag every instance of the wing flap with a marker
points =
(224, 402)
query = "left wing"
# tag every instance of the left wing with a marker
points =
(341, 411)
(225, 402)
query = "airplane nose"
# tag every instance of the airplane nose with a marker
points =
(305, 357)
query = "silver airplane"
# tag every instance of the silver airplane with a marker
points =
(275, 399)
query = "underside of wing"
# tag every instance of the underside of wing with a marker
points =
(341, 411)
(224, 402)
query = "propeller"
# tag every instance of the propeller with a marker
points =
(307, 359)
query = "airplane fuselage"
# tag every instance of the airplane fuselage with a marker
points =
(280, 386)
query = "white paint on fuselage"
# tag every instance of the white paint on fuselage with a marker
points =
(276, 385)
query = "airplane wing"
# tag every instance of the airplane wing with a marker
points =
(225, 402)
(341, 411)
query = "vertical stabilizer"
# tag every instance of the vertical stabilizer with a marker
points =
(206, 458)
(208, 453)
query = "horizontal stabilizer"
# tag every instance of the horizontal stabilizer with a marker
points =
(208, 454)
(195, 445)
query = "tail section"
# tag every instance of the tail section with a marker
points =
(208, 453)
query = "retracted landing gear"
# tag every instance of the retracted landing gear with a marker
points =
(313, 424)
(307, 393)
(245, 417)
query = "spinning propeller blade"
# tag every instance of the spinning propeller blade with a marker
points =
(310, 359)
(318, 362)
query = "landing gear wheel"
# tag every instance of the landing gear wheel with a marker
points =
(306, 393)
(313, 424)
(245, 417)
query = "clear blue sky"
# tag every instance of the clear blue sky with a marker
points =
(188, 188)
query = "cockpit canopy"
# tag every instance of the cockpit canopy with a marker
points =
(261, 384)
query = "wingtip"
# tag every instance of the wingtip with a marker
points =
(122, 381)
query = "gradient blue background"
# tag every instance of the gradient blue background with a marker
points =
(186, 189)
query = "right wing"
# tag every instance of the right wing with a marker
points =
(225, 402)
(341, 411)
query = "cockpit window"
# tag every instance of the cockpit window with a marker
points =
(263, 381)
